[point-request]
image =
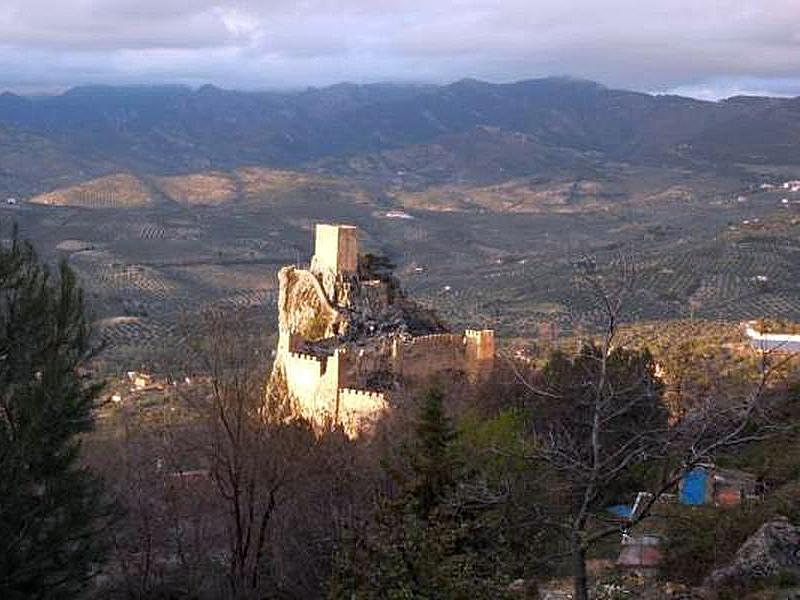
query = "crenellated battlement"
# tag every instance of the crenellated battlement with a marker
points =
(480, 344)
(365, 395)
(304, 356)
(365, 336)
(434, 340)
(359, 409)
(479, 333)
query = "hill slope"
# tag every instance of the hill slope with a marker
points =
(528, 125)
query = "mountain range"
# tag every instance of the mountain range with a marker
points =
(465, 131)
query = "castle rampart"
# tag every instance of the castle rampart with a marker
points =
(360, 338)
(303, 375)
(480, 344)
(359, 409)
(423, 356)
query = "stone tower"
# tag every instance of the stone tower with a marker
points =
(480, 344)
(346, 343)
(336, 249)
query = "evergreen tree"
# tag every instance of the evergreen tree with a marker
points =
(433, 464)
(51, 508)
(372, 266)
(431, 540)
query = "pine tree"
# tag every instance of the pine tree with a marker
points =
(433, 464)
(51, 508)
(425, 542)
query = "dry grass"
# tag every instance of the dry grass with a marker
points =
(207, 189)
(516, 196)
(113, 191)
(256, 181)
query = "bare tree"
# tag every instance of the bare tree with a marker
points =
(163, 544)
(600, 424)
(252, 449)
(204, 481)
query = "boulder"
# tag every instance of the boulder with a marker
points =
(770, 551)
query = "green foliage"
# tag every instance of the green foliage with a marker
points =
(700, 539)
(376, 266)
(404, 557)
(512, 489)
(431, 458)
(441, 537)
(775, 460)
(787, 579)
(49, 504)
(494, 446)
(628, 401)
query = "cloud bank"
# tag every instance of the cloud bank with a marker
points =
(709, 49)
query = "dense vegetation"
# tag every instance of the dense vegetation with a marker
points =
(464, 491)
(475, 492)
(53, 511)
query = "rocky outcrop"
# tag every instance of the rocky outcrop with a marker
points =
(349, 335)
(303, 307)
(772, 550)
(324, 306)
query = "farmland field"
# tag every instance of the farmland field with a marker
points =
(154, 255)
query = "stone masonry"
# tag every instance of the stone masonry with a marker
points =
(349, 337)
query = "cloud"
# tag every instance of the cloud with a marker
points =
(658, 45)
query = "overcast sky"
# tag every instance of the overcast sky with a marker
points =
(704, 48)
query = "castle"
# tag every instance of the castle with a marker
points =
(349, 336)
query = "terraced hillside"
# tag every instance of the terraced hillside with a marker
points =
(715, 250)
(199, 188)
(113, 191)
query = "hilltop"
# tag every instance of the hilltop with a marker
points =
(468, 130)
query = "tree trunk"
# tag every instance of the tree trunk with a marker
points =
(579, 571)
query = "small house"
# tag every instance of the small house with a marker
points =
(731, 487)
(641, 553)
(709, 485)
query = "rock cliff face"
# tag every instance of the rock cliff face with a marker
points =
(321, 305)
(772, 550)
(328, 308)
(349, 335)
(303, 307)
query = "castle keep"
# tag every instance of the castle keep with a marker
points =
(349, 336)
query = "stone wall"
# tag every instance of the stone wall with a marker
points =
(315, 385)
(303, 373)
(312, 382)
(333, 308)
(480, 344)
(423, 356)
(361, 363)
(359, 410)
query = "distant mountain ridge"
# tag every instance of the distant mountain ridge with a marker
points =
(532, 125)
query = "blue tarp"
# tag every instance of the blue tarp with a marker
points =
(621, 510)
(693, 487)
